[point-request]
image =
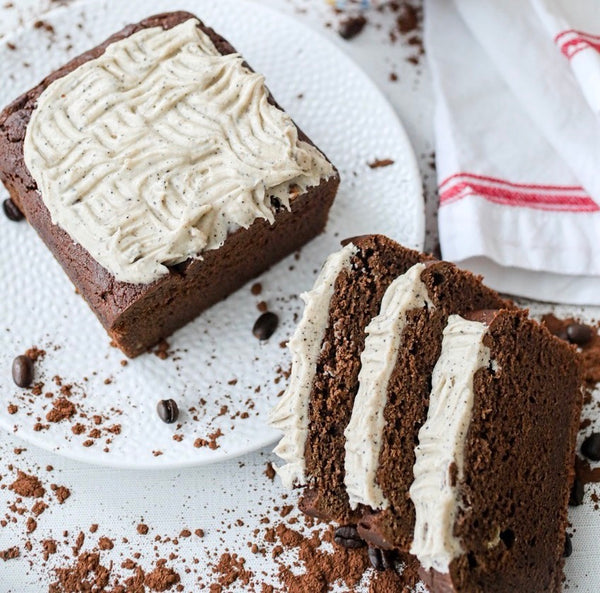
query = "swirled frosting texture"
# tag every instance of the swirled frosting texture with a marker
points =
(156, 150)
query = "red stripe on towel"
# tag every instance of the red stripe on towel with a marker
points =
(571, 42)
(541, 197)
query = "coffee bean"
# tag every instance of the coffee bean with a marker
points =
(265, 325)
(568, 546)
(579, 334)
(352, 26)
(347, 537)
(167, 410)
(22, 371)
(11, 210)
(591, 447)
(577, 492)
(381, 559)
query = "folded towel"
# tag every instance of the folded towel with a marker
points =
(570, 24)
(518, 149)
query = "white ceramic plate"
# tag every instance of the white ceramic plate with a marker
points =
(215, 361)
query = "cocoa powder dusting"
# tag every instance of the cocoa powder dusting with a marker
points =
(61, 493)
(161, 578)
(62, 409)
(231, 568)
(385, 581)
(10, 553)
(35, 353)
(322, 568)
(27, 486)
(270, 471)
(86, 574)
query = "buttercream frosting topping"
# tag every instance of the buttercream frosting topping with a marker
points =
(159, 148)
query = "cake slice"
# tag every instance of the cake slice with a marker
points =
(162, 175)
(402, 346)
(454, 442)
(317, 406)
(495, 457)
(326, 347)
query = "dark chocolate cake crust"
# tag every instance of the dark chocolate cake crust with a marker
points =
(192, 286)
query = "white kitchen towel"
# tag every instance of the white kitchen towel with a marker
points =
(574, 26)
(518, 152)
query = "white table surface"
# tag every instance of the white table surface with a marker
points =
(214, 497)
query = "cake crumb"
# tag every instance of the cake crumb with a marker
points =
(380, 163)
(270, 471)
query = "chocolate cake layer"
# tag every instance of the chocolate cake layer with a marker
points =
(356, 300)
(519, 459)
(451, 291)
(138, 315)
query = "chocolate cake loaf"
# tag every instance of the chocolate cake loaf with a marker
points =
(458, 440)
(162, 175)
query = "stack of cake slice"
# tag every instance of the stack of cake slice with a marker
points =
(430, 413)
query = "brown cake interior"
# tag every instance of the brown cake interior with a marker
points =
(125, 309)
(452, 291)
(356, 301)
(518, 463)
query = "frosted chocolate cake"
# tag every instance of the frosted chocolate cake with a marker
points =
(326, 356)
(162, 175)
(457, 442)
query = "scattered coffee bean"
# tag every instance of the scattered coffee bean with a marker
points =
(568, 546)
(577, 492)
(11, 210)
(591, 447)
(381, 559)
(347, 537)
(22, 370)
(265, 325)
(578, 333)
(352, 26)
(167, 410)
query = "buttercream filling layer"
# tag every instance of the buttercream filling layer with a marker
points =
(439, 454)
(378, 359)
(158, 149)
(291, 413)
